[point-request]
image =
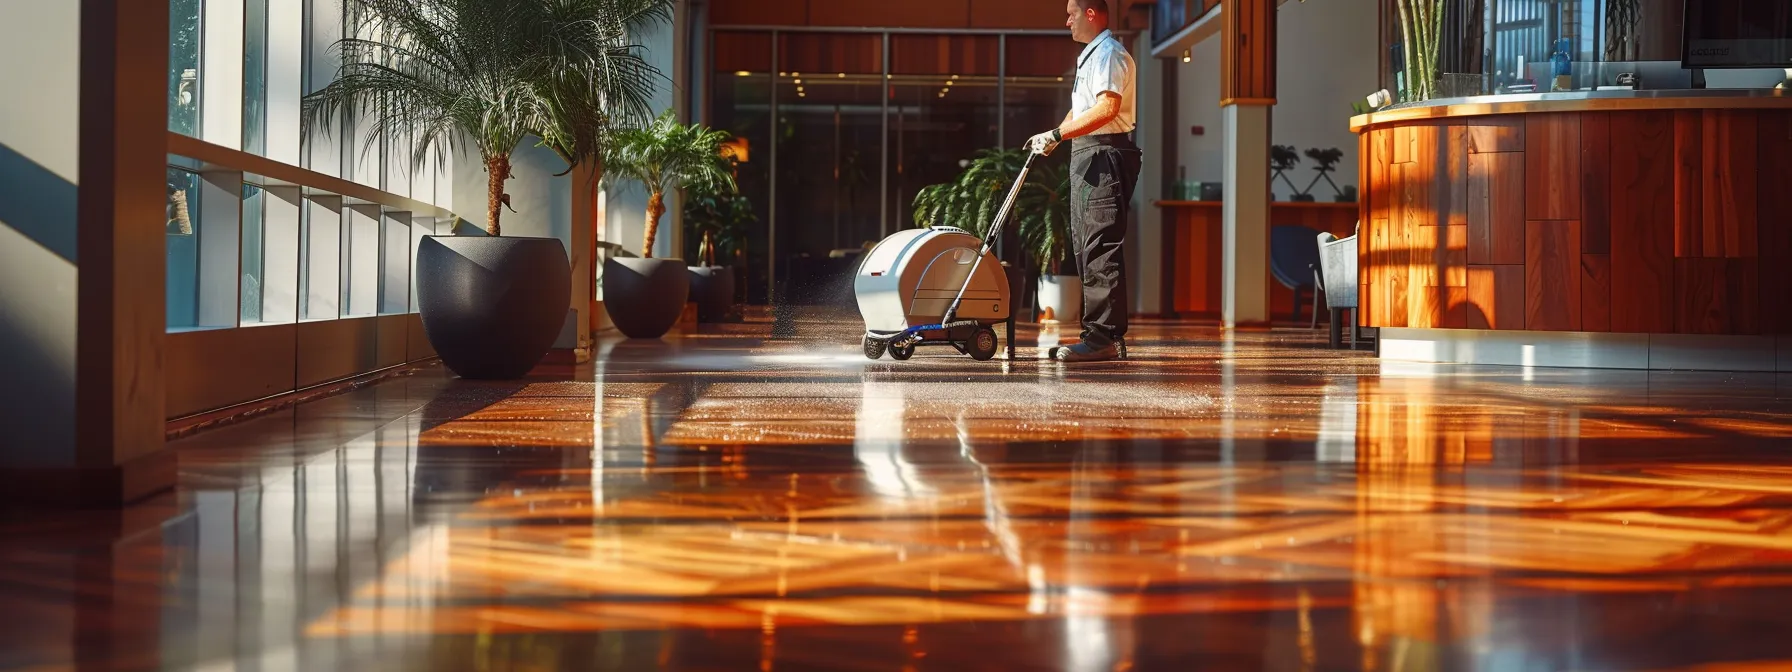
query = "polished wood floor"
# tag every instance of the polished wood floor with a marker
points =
(760, 497)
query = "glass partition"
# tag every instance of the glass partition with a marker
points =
(856, 124)
(182, 242)
(183, 66)
(1520, 46)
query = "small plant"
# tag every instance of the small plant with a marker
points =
(1041, 211)
(1328, 161)
(668, 155)
(720, 217)
(1283, 158)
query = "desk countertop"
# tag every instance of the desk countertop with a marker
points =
(1577, 101)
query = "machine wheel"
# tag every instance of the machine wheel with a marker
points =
(874, 348)
(901, 353)
(982, 345)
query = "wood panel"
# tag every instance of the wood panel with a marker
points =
(1442, 308)
(1728, 157)
(1716, 296)
(1496, 186)
(1596, 183)
(1552, 275)
(1774, 221)
(1496, 297)
(1595, 291)
(1365, 160)
(931, 14)
(1042, 56)
(1689, 211)
(833, 53)
(1494, 134)
(1654, 185)
(947, 55)
(1442, 256)
(1193, 251)
(743, 51)
(1011, 14)
(1642, 210)
(1248, 51)
(1552, 167)
(1406, 143)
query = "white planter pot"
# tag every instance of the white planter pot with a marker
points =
(1060, 299)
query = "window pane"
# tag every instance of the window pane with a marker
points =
(183, 66)
(830, 160)
(183, 249)
(740, 103)
(250, 297)
(943, 110)
(255, 76)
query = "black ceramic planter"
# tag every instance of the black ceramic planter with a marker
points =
(712, 288)
(492, 306)
(645, 296)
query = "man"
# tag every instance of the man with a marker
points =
(1104, 170)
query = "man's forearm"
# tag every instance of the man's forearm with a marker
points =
(1107, 107)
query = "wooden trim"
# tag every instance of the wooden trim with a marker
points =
(88, 487)
(1329, 205)
(1530, 104)
(192, 424)
(1247, 51)
(275, 173)
(1265, 102)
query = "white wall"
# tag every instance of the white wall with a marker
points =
(39, 140)
(1325, 59)
(1198, 104)
(625, 204)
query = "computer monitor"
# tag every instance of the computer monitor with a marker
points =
(1737, 34)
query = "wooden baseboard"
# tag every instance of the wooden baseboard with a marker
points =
(88, 487)
(189, 425)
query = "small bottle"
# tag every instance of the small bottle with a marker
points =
(1561, 67)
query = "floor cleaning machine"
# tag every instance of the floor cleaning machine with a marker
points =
(937, 286)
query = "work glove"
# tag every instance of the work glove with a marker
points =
(1043, 143)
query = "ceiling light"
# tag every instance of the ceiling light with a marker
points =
(743, 73)
(796, 74)
(955, 76)
(843, 75)
(800, 94)
(1060, 79)
(783, 74)
(1187, 55)
(799, 82)
(948, 82)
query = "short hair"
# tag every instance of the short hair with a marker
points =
(1098, 5)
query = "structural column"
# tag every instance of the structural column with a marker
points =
(1247, 93)
(82, 190)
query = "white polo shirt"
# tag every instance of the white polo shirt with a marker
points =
(1105, 66)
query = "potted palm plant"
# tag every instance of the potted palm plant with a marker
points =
(646, 295)
(719, 217)
(481, 75)
(1041, 215)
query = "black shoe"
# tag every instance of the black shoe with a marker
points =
(1083, 352)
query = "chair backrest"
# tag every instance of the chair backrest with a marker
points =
(1293, 251)
(1337, 265)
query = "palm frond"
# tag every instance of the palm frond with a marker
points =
(972, 200)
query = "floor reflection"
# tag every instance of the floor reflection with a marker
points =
(733, 498)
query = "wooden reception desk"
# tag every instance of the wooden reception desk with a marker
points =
(1192, 256)
(1601, 229)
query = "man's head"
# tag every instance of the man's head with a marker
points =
(1087, 18)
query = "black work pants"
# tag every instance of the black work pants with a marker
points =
(1104, 171)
